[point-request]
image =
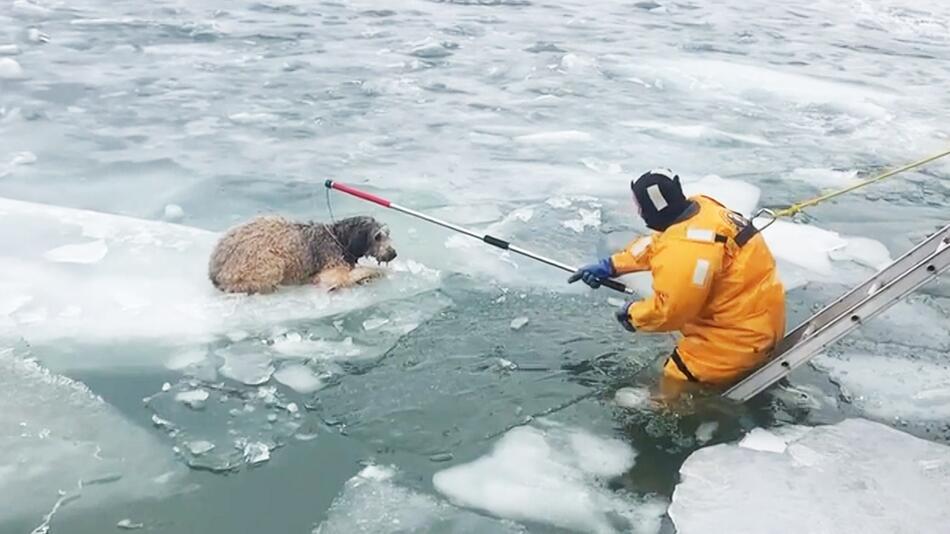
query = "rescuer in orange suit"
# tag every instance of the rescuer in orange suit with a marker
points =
(714, 281)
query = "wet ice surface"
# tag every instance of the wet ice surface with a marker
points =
(856, 476)
(554, 475)
(58, 436)
(526, 120)
(373, 501)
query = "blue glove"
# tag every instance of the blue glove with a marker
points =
(623, 316)
(593, 274)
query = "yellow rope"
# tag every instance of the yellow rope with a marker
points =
(795, 208)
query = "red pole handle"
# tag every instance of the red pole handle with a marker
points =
(357, 193)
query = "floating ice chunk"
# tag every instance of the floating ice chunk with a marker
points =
(36, 36)
(372, 503)
(377, 473)
(10, 69)
(432, 49)
(699, 132)
(632, 398)
(174, 212)
(553, 138)
(521, 214)
(128, 524)
(754, 83)
(823, 178)
(374, 323)
(251, 118)
(864, 251)
(855, 476)
(199, 447)
(803, 245)
(518, 323)
(559, 202)
(54, 433)
(706, 431)
(91, 252)
(298, 378)
(9, 50)
(762, 440)
(415, 268)
(552, 476)
(574, 63)
(193, 399)
(23, 158)
(186, 359)
(890, 387)
(588, 218)
(249, 368)
(506, 365)
(256, 453)
(734, 194)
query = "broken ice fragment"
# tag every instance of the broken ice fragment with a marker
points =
(630, 397)
(36, 36)
(298, 378)
(374, 323)
(760, 439)
(194, 399)
(127, 524)
(256, 453)
(518, 323)
(506, 365)
(199, 447)
(249, 368)
(174, 212)
(706, 431)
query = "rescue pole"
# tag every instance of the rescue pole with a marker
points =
(491, 240)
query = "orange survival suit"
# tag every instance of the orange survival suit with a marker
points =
(714, 280)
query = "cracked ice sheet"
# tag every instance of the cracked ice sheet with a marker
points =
(856, 476)
(54, 433)
(372, 502)
(151, 284)
(555, 475)
(890, 387)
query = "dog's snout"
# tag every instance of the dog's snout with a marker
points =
(390, 255)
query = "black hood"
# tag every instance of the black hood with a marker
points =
(660, 197)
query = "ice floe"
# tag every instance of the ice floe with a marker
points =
(854, 476)
(554, 475)
(56, 435)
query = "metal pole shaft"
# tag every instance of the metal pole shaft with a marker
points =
(491, 240)
(461, 230)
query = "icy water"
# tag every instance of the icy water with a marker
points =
(469, 391)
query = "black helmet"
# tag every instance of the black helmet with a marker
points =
(660, 197)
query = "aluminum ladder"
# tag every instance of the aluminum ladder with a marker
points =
(920, 265)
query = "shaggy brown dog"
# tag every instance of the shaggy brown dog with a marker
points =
(269, 251)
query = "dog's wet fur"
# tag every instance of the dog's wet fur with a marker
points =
(270, 251)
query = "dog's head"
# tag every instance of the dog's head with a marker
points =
(365, 236)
